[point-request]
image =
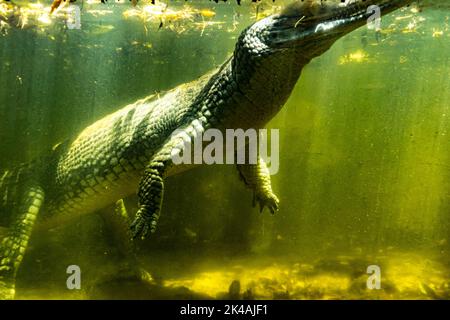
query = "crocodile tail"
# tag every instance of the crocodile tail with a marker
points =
(13, 183)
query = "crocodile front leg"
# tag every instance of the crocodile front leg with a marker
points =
(151, 187)
(13, 246)
(151, 190)
(257, 178)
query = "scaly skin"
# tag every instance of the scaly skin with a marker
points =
(133, 146)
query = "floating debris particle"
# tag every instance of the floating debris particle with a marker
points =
(358, 56)
(437, 33)
(207, 13)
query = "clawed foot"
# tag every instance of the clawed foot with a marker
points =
(143, 223)
(269, 200)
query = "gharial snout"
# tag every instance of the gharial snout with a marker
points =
(321, 20)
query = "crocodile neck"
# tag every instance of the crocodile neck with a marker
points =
(248, 91)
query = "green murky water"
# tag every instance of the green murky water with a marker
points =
(364, 173)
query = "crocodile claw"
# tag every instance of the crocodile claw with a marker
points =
(269, 200)
(143, 223)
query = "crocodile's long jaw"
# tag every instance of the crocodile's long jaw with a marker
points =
(310, 27)
(314, 25)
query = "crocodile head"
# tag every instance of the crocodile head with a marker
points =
(312, 26)
(271, 53)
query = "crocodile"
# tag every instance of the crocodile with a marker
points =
(131, 150)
